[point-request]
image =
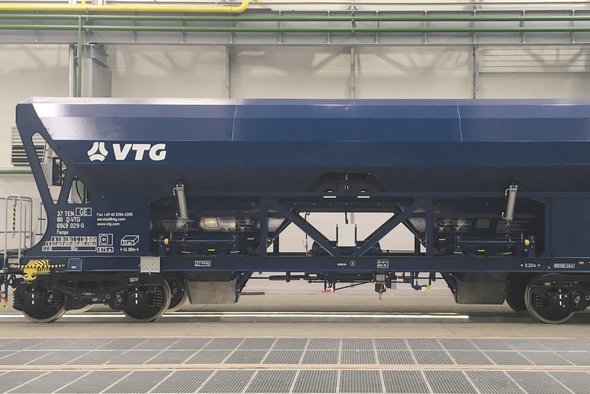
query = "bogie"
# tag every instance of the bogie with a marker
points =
(140, 297)
(147, 301)
(39, 303)
(554, 298)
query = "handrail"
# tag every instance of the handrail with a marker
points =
(410, 17)
(271, 4)
(22, 243)
(478, 23)
(351, 30)
(15, 171)
(84, 8)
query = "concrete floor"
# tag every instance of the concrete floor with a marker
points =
(311, 342)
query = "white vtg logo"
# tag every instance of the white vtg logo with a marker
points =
(99, 152)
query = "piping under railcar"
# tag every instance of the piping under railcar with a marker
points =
(161, 201)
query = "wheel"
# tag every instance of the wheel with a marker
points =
(41, 305)
(515, 294)
(547, 301)
(147, 301)
(179, 295)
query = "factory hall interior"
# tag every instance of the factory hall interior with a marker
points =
(295, 196)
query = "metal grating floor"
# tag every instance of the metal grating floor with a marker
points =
(295, 381)
(294, 365)
(271, 351)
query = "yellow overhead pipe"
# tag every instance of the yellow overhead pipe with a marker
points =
(127, 8)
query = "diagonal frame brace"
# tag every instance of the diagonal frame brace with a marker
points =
(411, 227)
(306, 227)
(386, 228)
(278, 231)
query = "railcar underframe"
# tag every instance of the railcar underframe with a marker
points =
(462, 238)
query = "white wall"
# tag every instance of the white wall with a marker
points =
(321, 72)
(290, 72)
(28, 70)
(154, 71)
(414, 72)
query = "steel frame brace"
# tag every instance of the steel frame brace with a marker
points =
(387, 227)
(306, 227)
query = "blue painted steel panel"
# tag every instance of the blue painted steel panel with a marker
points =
(409, 144)
(570, 218)
(346, 122)
(535, 121)
(317, 120)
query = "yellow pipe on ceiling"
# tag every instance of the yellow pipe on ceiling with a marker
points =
(127, 8)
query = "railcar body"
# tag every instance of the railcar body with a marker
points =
(164, 200)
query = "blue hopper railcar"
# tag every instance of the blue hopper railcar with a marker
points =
(166, 200)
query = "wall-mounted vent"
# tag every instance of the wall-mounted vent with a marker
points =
(19, 156)
(543, 59)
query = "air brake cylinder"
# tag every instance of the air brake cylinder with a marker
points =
(511, 194)
(182, 207)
